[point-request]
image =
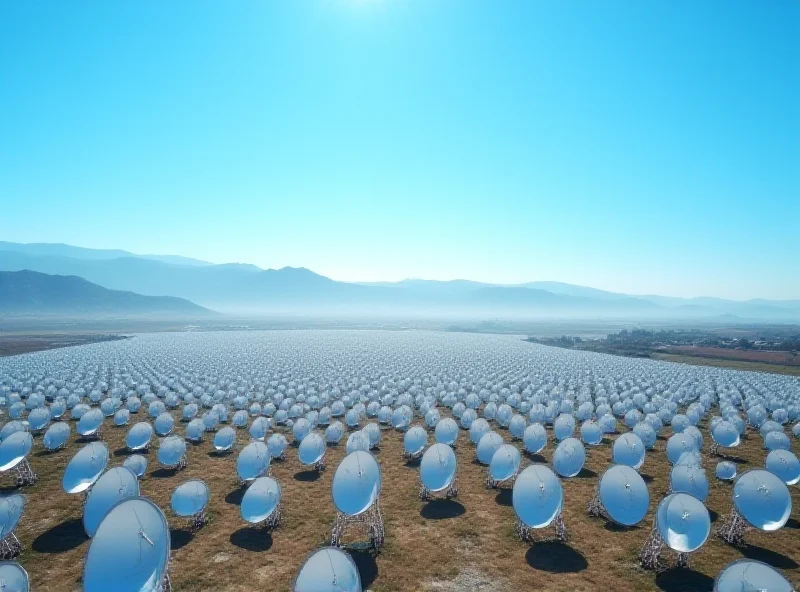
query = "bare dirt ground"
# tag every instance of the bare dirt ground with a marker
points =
(11, 345)
(745, 355)
(732, 364)
(462, 545)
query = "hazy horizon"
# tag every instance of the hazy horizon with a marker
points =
(641, 148)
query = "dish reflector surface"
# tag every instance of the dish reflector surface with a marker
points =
(253, 461)
(415, 440)
(311, 449)
(762, 499)
(438, 467)
(488, 445)
(224, 439)
(14, 577)
(683, 522)
(748, 575)
(85, 467)
(171, 451)
(90, 422)
(569, 457)
(537, 496)
(785, 465)
(505, 463)
(130, 550)
(446, 431)
(14, 448)
(260, 499)
(691, 480)
(357, 483)
(190, 498)
(114, 486)
(629, 450)
(136, 463)
(328, 570)
(139, 436)
(11, 508)
(624, 495)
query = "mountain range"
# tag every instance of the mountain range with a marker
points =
(30, 292)
(244, 289)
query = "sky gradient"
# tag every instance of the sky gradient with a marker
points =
(637, 146)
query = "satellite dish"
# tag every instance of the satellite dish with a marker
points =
(172, 452)
(504, 464)
(726, 470)
(784, 465)
(85, 468)
(401, 417)
(136, 463)
(569, 457)
(564, 427)
(488, 445)
(328, 570)
(139, 435)
(762, 499)
(56, 436)
(623, 494)
(195, 430)
(629, 450)
(478, 428)
(301, 428)
(114, 486)
(358, 440)
(534, 438)
(373, 431)
(683, 522)
(189, 500)
(312, 450)
(89, 424)
(679, 444)
(224, 439)
(414, 442)
(38, 419)
(14, 577)
(437, 470)
(163, 424)
(357, 483)
(691, 480)
(446, 431)
(14, 450)
(122, 417)
(12, 427)
(537, 496)
(277, 444)
(11, 508)
(133, 539)
(261, 500)
(591, 433)
(745, 575)
(253, 461)
(725, 434)
(334, 432)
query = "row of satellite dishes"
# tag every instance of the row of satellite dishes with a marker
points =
(518, 387)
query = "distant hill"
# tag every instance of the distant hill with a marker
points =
(31, 292)
(62, 250)
(244, 288)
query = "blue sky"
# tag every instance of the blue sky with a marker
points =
(638, 146)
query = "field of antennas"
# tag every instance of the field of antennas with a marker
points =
(356, 460)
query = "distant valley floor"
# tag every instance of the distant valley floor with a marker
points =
(11, 345)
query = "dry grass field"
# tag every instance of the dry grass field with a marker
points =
(462, 545)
